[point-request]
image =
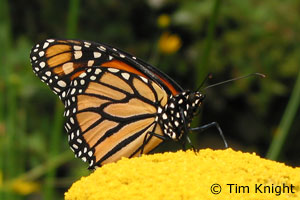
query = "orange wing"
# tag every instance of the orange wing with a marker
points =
(110, 112)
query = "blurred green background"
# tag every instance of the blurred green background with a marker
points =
(185, 39)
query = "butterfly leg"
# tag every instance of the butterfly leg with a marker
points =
(146, 139)
(206, 126)
(185, 134)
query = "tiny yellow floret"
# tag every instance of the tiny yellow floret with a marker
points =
(206, 175)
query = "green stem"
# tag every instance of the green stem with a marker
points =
(55, 141)
(73, 18)
(285, 123)
(8, 151)
(202, 69)
(40, 170)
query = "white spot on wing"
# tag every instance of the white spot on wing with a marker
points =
(164, 116)
(114, 70)
(77, 54)
(68, 67)
(41, 53)
(75, 83)
(46, 44)
(97, 54)
(56, 89)
(73, 91)
(90, 63)
(48, 73)
(97, 71)
(42, 64)
(87, 44)
(144, 79)
(77, 48)
(159, 110)
(125, 75)
(62, 83)
(102, 48)
(82, 75)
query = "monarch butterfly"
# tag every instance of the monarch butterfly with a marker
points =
(116, 105)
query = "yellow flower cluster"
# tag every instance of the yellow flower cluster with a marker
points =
(208, 175)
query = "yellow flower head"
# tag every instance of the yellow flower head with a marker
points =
(190, 175)
(169, 43)
(163, 21)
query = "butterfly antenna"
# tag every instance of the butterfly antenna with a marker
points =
(235, 79)
(208, 76)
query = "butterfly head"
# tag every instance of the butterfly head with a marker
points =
(179, 112)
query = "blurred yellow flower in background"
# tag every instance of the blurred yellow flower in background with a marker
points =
(163, 21)
(169, 43)
(25, 187)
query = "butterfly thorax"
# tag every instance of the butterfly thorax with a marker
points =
(177, 114)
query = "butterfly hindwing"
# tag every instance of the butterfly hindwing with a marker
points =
(110, 111)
